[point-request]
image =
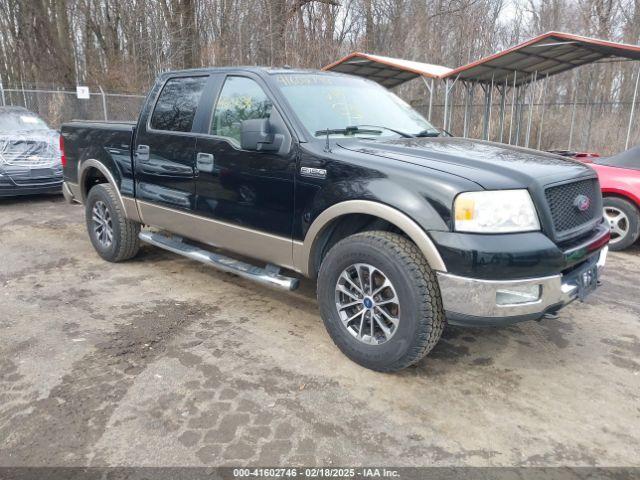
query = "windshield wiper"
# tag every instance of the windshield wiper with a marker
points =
(429, 133)
(352, 130)
(402, 134)
(347, 131)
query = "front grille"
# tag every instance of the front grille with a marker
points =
(566, 216)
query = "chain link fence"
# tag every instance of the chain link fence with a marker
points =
(600, 127)
(59, 106)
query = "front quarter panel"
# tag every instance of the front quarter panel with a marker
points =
(424, 195)
(415, 199)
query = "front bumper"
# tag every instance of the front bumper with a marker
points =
(474, 302)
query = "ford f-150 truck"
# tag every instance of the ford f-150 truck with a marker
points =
(336, 178)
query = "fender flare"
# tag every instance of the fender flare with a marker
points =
(129, 206)
(303, 251)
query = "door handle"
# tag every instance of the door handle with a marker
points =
(204, 162)
(142, 153)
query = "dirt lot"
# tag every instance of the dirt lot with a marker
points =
(162, 361)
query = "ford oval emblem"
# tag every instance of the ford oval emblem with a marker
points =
(582, 203)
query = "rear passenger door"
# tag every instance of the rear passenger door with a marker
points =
(164, 150)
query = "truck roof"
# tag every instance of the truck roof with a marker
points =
(253, 69)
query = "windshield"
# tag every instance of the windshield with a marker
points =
(330, 103)
(20, 122)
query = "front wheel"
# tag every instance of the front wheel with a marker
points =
(380, 301)
(624, 221)
(113, 236)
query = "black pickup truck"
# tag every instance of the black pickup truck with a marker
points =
(335, 178)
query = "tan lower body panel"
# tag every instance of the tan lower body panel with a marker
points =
(74, 188)
(244, 241)
(131, 209)
(128, 203)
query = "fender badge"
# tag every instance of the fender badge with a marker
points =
(313, 172)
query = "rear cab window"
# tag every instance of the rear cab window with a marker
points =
(176, 107)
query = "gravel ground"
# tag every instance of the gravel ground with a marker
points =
(161, 361)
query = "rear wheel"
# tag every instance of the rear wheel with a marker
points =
(380, 301)
(113, 236)
(624, 220)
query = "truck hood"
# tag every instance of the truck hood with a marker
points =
(491, 165)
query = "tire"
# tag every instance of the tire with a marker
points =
(419, 305)
(624, 219)
(124, 242)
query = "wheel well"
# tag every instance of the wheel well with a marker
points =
(621, 197)
(92, 177)
(342, 227)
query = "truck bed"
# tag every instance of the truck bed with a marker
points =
(108, 142)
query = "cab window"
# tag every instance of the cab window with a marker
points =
(177, 104)
(240, 99)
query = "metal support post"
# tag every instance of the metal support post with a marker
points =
(513, 104)
(446, 103)
(573, 109)
(431, 97)
(490, 105)
(429, 86)
(587, 136)
(519, 106)
(447, 90)
(503, 102)
(451, 104)
(544, 107)
(633, 111)
(466, 109)
(104, 103)
(485, 119)
(4, 101)
(531, 104)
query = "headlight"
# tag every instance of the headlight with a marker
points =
(497, 211)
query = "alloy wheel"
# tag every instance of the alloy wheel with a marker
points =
(618, 222)
(102, 224)
(367, 303)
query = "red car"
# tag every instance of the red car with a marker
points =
(620, 182)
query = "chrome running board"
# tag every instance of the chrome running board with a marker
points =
(270, 275)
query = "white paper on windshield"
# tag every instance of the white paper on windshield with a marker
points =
(25, 119)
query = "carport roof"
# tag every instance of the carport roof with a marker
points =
(546, 54)
(387, 71)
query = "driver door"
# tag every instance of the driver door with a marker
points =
(249, 189)
(252, 189)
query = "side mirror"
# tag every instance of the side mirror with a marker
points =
(256, 134)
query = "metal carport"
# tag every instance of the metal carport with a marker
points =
(536, 59)
(390, 72)
(514, 69)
